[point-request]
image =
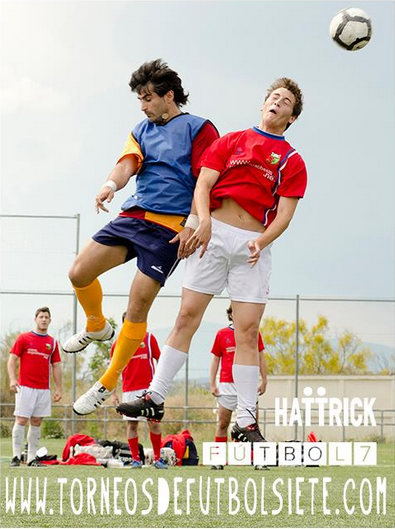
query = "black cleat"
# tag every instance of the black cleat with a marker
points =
(15, 462)
(249, 434)
(142, 407)
(35, 463)
(217, 467)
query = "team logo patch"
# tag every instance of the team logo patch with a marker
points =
(274, 158)
(48, 346)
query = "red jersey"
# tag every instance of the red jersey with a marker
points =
(224, 347)
(256, 168)
(36, 353)
(140, 370)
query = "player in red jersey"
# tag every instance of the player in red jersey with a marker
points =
(246, 195)
(136, 378)
(35, 351)
(223, 351)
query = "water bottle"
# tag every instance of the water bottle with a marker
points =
(24, 454)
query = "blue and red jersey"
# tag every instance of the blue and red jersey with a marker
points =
(168, 164)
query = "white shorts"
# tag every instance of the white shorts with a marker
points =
(32, 402)
(129, 396)
(228, 395)
(224, 265)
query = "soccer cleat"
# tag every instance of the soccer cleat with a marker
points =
(217, 467)
(35, 463)
(91, 400)
(142, 407)
(249, 434)
(159, 463)
(136, 463)
(15, 462)
(79, 341)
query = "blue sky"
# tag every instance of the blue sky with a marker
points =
(67, 110)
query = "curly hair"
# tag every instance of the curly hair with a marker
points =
(290, 85)
(161, 77)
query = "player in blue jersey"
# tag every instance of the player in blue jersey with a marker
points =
(164, 152)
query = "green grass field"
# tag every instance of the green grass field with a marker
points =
(83, 506)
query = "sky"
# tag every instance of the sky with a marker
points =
(67, 110)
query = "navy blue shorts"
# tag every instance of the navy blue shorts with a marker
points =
(147, 241)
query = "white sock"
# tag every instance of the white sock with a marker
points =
(18, 434)
(170, 362)
(246, 380)
(33, 437)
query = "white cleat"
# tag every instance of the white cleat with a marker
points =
(91, 400)
(79, 341)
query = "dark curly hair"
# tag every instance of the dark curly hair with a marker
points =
(161, 77)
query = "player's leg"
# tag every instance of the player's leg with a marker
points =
(155, 434)
(246, 318)
(18, 436)
(142, 294)
(94, 260)
(227, 403)
(33, 438)
(172, 358)
(133, 442)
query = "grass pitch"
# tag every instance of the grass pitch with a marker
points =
(82, 496)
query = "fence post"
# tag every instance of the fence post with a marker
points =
(186, 393)
(296, 359)
(75, 323)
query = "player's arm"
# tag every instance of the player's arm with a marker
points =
(285, 212)
(213, 374)
(262, 371)
(11, 368)
(57, 378)
(202, 234)
(117, 179)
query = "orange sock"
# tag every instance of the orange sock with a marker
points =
(129, 340)
(90, 298)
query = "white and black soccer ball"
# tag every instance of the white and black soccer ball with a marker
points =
(351, 28)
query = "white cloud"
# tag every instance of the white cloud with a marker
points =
(24, 92)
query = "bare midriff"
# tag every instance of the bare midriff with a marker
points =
(231, 213)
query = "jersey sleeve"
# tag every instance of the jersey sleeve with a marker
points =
(217, 155)
(206, 136)
(132, 148)
(217, 347)
(293, 177)
(261, 347)
(154, 347)
(18, 347)
(55, 357)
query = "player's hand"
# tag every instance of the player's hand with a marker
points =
(57, 396)
(14, 386)
(255, 252)
(262, 387)
(106, 194)
(200, 238)
(214, 391)
(115, 399)
(182, 237)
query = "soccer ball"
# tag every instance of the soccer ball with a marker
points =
(351, 28)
